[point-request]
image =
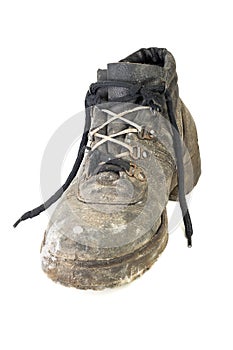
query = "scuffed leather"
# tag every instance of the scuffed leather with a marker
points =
(99, 219)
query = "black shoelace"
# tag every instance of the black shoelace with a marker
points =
(145, 95)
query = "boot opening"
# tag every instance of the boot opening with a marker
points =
(152, 56)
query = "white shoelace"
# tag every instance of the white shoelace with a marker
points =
(135, 128)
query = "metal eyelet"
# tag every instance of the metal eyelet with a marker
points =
(145, 134)
(135, 171)
(136, 152)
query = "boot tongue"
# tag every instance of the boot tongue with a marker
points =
(132, 72)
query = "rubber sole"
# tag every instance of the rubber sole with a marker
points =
(100, 274)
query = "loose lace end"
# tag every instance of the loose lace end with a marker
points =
(188, 228)
(16, 223)
(189, 242)
(30, 214)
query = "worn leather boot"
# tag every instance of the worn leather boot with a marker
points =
(139, 149)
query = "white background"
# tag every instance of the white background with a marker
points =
(50, 51)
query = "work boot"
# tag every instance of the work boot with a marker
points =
(139, 149)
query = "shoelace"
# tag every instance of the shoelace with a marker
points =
(136, 128)
(137, 91)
